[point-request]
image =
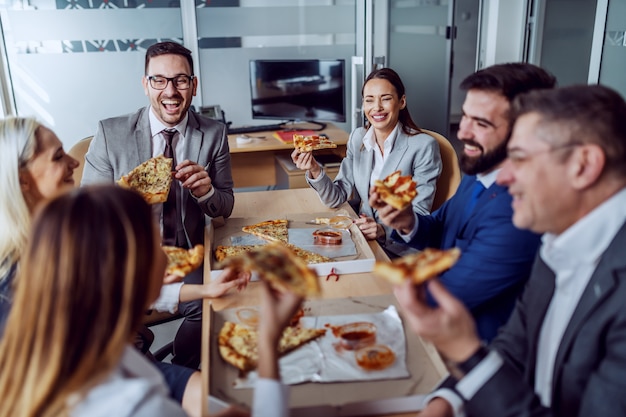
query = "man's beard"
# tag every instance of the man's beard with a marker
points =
(485, 162)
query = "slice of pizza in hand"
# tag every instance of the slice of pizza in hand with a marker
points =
(312, 143)
(280, 267)
(151, 179)
(396, 190)
(181, 262)
(271, 230)
(418, 267)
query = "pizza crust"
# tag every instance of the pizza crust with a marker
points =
(418, 267)
(272, 230)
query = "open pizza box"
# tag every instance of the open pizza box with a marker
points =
(355, 254)
(421, 362)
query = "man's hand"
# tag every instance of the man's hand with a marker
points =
(193, 177)
(450, 327)
(369, 227)
(307, 162)
(401, 220)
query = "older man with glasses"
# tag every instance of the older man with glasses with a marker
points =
(202, 186)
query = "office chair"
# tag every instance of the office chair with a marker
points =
(450, 177)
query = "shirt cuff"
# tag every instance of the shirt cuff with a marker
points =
(168, 298)
(204, 197)
(314, 180)
(407, 238)
(456, 402)
(271, 399)
(469, 385)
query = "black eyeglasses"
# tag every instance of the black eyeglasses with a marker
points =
(181, 82)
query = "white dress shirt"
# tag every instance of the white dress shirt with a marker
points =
(369, 141)
(573, 256)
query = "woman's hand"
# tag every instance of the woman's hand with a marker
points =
(307, 162)
(368, 226)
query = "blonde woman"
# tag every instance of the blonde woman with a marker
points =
(97, 258)
(34, 168)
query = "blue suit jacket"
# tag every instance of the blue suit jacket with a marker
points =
(496, 257)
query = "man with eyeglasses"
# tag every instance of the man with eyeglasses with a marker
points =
(495, 257)
(563, 352)
(202, 181)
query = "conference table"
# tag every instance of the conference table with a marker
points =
(350, 289)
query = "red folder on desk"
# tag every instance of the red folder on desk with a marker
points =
(286, 136)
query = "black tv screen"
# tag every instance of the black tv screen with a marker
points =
(302, 90)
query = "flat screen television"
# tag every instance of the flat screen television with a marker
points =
(298, 90)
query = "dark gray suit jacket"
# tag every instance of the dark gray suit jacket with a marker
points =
(590, 367)
(124, 142)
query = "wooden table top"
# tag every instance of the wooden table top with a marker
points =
(265, 141)
(276, 204)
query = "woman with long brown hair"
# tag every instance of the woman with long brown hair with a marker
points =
(66, 351)
(390, 141)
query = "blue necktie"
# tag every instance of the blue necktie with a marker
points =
(476, 192)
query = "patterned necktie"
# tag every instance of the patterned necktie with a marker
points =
(476, 192)
(170, 214)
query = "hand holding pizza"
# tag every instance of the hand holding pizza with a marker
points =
(401, 220)
(450, 327)
(305, 161)
(230, 278)
(277, 310)
(193, 177)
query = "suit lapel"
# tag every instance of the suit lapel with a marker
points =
(600, 285)
(193, 139)
(395, 156)
(143, 137)
(542, 285)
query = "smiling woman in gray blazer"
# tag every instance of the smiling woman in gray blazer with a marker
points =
(390, 141)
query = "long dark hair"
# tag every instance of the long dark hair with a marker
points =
(409, 127)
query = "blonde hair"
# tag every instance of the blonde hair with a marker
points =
(18, 145)
(88, 270)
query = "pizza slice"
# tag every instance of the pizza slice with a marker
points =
(181, 262)
(280, 266)
(419, 266)
(312, 143)
(225, 252)
(238, 345)
(308, 256)
(151, 179)
(272, 230)
(396, 190)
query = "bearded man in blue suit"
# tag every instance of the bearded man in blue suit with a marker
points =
(496, 256)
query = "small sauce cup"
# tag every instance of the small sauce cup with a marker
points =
(357, 335)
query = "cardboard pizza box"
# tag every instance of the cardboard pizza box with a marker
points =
(223, 233)
(335, 398)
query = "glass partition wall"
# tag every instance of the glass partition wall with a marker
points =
(71, 63)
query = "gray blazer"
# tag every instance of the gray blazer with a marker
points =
(121, 143)
(590, 365)
(416, 155)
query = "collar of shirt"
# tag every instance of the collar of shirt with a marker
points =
(369, 140)
(155, 129)
(587, 239)
(487, 180)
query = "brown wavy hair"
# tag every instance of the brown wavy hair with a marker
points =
(86, 275)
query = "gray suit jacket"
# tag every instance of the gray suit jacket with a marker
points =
(124, 142)
(415, 155)
(590, 367)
